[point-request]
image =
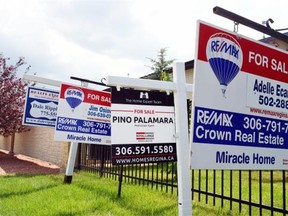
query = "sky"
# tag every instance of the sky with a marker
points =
(92, 39)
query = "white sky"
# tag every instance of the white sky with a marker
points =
(94, 38)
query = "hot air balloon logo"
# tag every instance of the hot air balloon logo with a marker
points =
(225, 58)
(74, 97)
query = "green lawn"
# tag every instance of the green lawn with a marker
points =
(88, 195)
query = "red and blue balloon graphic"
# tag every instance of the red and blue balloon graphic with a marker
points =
(225, 58)
(74, 97)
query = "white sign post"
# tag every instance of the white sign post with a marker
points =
(180, 89)
(83, 116)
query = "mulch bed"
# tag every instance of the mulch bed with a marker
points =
(20, 164)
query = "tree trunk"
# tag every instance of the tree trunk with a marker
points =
(12, 143)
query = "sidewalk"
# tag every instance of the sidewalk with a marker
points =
(21, 164)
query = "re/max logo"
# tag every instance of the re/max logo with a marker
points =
(223, 46)
(214, 118)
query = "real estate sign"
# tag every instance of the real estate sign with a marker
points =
(240, 103)
(40, 107)
(83, 115)
(143, 127)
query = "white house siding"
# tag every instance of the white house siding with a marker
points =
(189, 76)
(276, 43)
(189, 79)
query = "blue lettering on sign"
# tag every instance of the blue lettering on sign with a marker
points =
(67, 121)
(214, 118)
(224, 47)
(259, 159)
(93, 139)
(83, 126)
(75, 137)
(74, 92)
(228, 128)
(225, 157)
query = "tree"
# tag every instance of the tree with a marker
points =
(12, 91)
(160, 66)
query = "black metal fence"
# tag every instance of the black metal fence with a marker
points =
(252, 192)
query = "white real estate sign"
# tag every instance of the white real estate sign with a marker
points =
(143, 127)
(240, 103)
(40, 107)
(83, 115)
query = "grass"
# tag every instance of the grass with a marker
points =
(88, 195)
(258, 179)
(266, 182)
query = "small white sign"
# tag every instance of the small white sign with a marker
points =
(141, 117)
(40, 107)
(143, 127)
(83, 115)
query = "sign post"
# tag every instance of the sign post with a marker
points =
(99, 106)
(182, 142)
(71, 162)
(83, 116)
(180, 89)
(73, 145)
(143, 128)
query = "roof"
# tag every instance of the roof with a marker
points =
(271, 39)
